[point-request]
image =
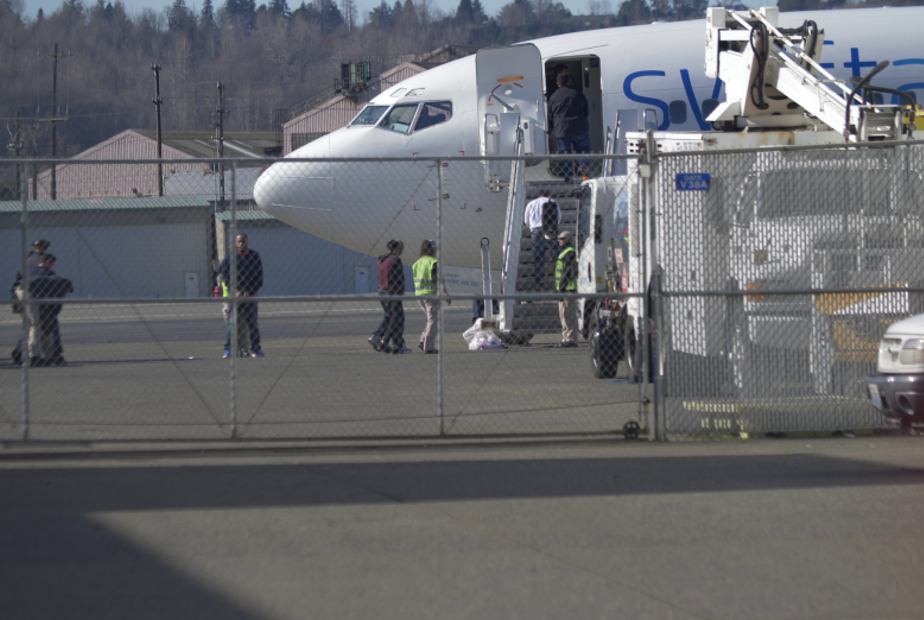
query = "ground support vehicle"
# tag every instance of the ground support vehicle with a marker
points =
(897, 391)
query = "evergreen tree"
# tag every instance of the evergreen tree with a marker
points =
(207, 16)
(465, 14)
(330, 16)
(280, 8)
(478, 12)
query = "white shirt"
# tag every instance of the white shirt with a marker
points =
(533, 215)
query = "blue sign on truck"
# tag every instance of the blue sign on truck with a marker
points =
(693, 182)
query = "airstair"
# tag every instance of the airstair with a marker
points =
(520, 320)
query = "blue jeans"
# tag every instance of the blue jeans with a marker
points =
(579, 144)
(540, 247)
(249, 316)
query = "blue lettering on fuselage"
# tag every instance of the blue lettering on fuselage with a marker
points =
(631, 96)
(855, 65)
(665, 110)
(913, 85)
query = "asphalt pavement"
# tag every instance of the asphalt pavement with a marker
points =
(788, 528)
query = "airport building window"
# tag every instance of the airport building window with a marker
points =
(678, 110)
(399, 118)
(433, 113)
(370, 115)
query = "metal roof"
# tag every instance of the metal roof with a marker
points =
(206, 184)
(203, 143)
(107, 204)
(254, 215)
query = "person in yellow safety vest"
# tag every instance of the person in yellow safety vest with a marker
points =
(425, 278)
(566, 272)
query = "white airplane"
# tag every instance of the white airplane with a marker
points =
(458, 109)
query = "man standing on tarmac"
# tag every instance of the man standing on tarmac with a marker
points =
(542, 217)
(566, 271)
(391, 282)
(569, 111)
(249, 282)
(33, 260)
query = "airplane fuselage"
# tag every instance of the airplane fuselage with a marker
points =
(657, 67)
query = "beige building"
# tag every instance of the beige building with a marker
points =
(120, 180)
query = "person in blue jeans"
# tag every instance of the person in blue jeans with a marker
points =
(249, 282)
(569, 111)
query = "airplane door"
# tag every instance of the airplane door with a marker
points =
(510, 88)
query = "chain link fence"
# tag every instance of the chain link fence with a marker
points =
(166, 336)
(778, 283)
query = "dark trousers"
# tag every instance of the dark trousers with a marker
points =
(249, 316)
(478, 309)
(392, 326)
(540, 248)
(580, 144)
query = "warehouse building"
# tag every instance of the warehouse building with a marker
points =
(118, 248)
(130, 180)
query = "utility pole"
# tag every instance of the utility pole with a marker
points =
(16, 146)
(54, 110)
(220, 110)
(160, 142)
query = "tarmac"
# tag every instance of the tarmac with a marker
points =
(818, 528)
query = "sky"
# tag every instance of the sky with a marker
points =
(492, 7)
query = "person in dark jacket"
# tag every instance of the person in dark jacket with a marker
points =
(249, 282)
(33, 260)
(44, 333)
(389, 336)
(569, 111)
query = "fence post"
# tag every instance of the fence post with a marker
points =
(26, 298)
(657, 363)
(232, 298)
(439, 292)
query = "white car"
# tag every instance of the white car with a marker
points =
(898, 390)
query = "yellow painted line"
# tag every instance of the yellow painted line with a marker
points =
(513, 79)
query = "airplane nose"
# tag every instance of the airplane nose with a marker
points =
(297, 193)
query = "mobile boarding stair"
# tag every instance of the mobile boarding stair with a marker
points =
(520, 320)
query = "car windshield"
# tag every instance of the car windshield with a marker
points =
(370, 115)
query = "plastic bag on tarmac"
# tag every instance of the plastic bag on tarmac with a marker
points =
(481, 340)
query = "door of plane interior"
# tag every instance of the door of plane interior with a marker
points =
(510, 91)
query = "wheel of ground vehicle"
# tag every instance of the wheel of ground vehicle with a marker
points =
(590, 320)
(631, 429)
(605, 351)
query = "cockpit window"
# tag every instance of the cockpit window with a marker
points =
(433, 113)
(415, 92)
(370, 115)
(399, 118)
(398, 92)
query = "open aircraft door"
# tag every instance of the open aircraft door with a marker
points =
(510, 94)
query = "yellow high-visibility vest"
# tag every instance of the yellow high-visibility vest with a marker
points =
(424, 282)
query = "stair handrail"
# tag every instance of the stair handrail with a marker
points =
(513, 228)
